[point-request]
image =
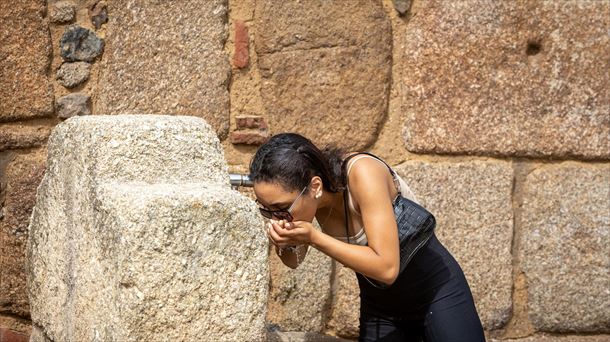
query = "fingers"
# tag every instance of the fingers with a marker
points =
(276, 233)
(268, 233)
(282, 228)
(271, 233)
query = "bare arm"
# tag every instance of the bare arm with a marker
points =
(380, 259)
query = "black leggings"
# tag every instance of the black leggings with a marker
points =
(446, 312)
(446, 321)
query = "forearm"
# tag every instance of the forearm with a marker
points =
(362, 259)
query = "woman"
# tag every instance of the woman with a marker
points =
(294, 182)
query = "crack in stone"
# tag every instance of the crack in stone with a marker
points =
(310, 49)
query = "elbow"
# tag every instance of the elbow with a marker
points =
(390, 276)
(388, 269)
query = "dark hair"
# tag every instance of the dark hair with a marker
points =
(292, 160)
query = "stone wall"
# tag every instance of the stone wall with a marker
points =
(495, 112)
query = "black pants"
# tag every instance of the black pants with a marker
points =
(445, 322)
(445, 314)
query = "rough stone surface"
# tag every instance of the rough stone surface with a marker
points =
(402, 6)
(278, 336)
(523, 78)
(329, 79)
(73, 105)
(18, 189)
(25, 56)
(299, 299)
(241, 56)
(472, 203)
(38, 335)
(246, 122)
(555, 338)
(70, 75)
(179, 67)
(98, 13)
(62, 12)
(144, 203)
(345, 315)
(565, 253)
(18, 135)
(7, 335)
(80, 44)
(249, 137)
(15, 323)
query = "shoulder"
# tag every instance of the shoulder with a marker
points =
(365, 169)
(368, 182)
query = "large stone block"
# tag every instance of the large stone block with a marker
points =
(166, 57)
(345, 316)
(565, 253)
(149, 148)
(18, 184)
(299, 299)
(472, 204)
(25, 57)
(523, 78)
(325, 68)
(18, 135)
(136, 235)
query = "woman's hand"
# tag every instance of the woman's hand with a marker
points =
(284, 234)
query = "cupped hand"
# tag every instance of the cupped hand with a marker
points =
(283, 234)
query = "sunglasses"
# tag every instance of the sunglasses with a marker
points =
(282, 214)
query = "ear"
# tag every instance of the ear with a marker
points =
(316, 184)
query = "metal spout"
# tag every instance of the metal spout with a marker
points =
(238, 180)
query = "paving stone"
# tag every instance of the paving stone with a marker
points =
(297, 336)
(555, 338)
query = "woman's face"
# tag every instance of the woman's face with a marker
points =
(300, 202)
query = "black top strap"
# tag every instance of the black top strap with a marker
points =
(346, 214)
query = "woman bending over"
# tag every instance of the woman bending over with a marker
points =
(294, 181)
